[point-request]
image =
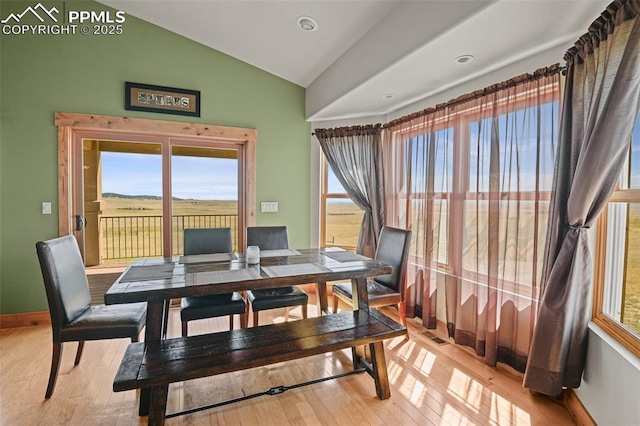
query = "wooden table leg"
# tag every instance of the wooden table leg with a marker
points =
(360, 300)
(354, 357)
(165, 318)
(360, 295)
(321, 296)
(153, 333)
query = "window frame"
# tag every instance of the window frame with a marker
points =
(615, 329)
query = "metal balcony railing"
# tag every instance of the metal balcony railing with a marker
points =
(130, 237)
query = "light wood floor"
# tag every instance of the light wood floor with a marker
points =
(431, 384)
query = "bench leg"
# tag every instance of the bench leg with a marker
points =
(158, 408)
(379, 365)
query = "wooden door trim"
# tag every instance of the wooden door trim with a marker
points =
(158, 127)
(71, 124)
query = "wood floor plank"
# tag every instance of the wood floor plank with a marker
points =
(431, 384)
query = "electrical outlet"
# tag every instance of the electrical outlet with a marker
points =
(46, 207)
(269, 206)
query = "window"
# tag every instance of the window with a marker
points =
(447, 193)
(472, 180)
(341, 218)
(167, 152)
(617, 272)
(525, 170)
(204, 190)
(429, 179)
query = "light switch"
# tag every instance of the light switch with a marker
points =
(269, 206)
(46, 207)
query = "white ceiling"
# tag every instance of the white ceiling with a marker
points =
(364, 49)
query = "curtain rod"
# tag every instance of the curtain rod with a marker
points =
(512, 82)
(344, 131)
(542, 72)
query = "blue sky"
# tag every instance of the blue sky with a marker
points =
(193, 177)
(216, 178)
(333, 184)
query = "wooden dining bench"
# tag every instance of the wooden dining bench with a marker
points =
(158, 364)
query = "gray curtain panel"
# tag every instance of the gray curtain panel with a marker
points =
(355, 156)
(602, 97)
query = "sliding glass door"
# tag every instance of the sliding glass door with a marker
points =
(205, 191)
(128, 201)
(134, 198)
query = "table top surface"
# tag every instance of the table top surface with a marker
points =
(199, 275)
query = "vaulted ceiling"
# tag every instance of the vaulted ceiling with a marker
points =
(371, 58)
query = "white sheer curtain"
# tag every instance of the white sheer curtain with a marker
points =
(472, 180)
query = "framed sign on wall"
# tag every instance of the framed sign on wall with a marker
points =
(166, 100)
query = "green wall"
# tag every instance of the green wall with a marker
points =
(44, 74)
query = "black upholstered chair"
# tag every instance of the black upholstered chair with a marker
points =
(384, 290)
(273, 238)
(210, 241)
(73, 319)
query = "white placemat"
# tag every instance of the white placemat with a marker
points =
(344, 256)
(290, 270)
(148, 273)
(207, 258)
(279, 253)
(215, 277)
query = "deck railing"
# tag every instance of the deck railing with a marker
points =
(129, 237)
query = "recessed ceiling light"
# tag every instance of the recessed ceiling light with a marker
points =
(307, 23)
(464, 59)
(388, 96)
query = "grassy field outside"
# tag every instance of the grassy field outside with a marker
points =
(631, 308)
(141, 231)
(132, 226)
(343, 224)
(119, 206)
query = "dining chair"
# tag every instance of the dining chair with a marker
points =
(384, 290)
(210, 241)
(73, 319)
(273, 238)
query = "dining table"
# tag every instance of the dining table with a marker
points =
(159, 280)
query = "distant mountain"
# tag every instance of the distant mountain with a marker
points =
(136, 197)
